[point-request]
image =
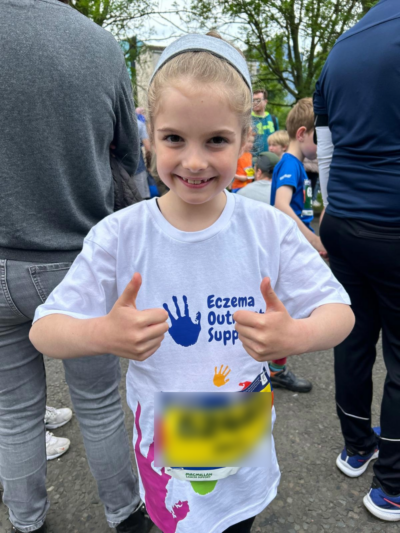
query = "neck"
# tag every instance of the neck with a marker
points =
(294, 149)
(191, 217)
(259, 113)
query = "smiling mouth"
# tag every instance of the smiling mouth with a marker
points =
(195, 182)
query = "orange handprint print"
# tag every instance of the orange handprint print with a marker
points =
(220, 376)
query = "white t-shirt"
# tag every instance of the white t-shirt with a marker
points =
(218, 270)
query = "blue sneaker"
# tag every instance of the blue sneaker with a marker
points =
(382, 505)
(353, 464)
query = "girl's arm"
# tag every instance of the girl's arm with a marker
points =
(241, 178)
(124, 331)
(275, 334)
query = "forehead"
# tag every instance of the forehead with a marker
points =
(258, 95)
(204, 105)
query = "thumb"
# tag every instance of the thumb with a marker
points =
(128, 297)
(271, 299)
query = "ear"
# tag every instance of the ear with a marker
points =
(300, 134)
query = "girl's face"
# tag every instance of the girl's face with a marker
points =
(197, 140)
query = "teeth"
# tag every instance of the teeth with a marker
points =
(195, 182)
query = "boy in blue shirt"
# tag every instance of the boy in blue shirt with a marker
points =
(291, 192)
(291, 189)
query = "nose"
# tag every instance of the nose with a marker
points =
(194, 160)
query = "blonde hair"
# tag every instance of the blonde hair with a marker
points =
(280, 137)
(205, 68)
(302, 114)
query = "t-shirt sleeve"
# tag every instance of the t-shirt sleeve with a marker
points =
(319, 99)
(288, 174)
(89, 289)
(304, 281)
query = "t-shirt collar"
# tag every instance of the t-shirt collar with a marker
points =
(193, 236)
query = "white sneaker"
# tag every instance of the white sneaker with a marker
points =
(315, 203)
(55, 446)
(55, 418)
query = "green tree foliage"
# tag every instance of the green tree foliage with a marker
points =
(115, 15)
(290, 38)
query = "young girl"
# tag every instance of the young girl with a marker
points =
(184, 319)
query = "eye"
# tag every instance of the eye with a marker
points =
(173, 139)
(218, 141)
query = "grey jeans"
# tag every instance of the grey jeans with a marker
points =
(93, 384)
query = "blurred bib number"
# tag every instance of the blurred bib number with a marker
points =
(211, 429)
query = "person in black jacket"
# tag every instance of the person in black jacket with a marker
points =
(357, 119)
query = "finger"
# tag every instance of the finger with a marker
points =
(251, 344)
(128, 297)
(168, 311)
(215, 371)
(227, 373)
(186, 312)
(254, 351)
(178, 311)
(145, 355)
(153, 332)
(148, 317)
(152, 344)
(220, 370)
(248, 318)
(271, 299)
(248, 332)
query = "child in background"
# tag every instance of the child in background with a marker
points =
(291, 189)
(199, 117)
(278, 142)
(245, 171)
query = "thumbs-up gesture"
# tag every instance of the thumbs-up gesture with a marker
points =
(268, 336)
(130, 333)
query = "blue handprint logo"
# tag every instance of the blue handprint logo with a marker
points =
(183, 330)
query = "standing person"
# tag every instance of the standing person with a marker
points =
(260, 189)
(245, 172)
(199, 231)
(278, 142)
(264, 124)
(140, 176)
(65, 98)
(291, 189)
(358, 117)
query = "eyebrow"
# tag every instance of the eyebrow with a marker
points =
(211, 134)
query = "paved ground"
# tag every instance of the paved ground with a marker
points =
(313, 496)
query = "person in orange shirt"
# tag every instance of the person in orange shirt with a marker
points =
(245, 171)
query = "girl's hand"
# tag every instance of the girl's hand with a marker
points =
(272, 335)
(128, 332)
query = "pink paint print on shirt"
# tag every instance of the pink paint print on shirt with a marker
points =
(156, 488)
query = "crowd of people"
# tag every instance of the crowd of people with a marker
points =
(224, 186)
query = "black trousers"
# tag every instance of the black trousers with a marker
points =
(365, 258)
(242, 527)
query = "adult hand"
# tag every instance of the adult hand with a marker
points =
(272, 335)
(130, 333)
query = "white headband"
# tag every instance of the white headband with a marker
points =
(204, 43)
